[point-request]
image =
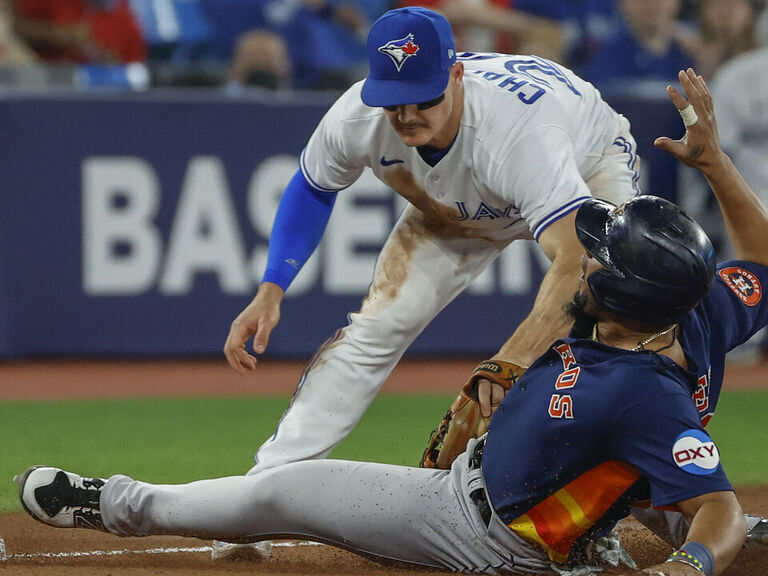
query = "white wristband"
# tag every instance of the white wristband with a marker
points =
(688, 114)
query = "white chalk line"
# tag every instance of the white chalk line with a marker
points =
(125, 552)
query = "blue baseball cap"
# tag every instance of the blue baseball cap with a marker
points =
(410, 53)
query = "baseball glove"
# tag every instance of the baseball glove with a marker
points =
(464, 419)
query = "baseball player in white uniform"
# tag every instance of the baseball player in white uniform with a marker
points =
(487, 149)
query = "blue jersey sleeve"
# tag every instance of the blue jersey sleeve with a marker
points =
(661, 435)
(736, 307)
(299, 224)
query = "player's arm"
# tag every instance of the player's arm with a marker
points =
(746, 218)
(301, 219)
(551, 213)
(717, 528)
(547, 321)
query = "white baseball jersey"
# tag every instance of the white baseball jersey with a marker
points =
(531, 133)
(534, 142)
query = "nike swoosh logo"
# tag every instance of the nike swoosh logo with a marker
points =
(385, 162)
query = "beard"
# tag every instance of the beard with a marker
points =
(582, 322)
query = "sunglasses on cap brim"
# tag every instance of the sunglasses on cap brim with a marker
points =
(421, 106)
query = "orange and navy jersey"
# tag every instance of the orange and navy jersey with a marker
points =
(585, 432)
(590, 429)
(580, 508)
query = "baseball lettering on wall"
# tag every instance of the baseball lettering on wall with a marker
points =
(121, 247)
(126, 252)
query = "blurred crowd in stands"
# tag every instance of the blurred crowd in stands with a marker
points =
(320, 44)
(272, 45)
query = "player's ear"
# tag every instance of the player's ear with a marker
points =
(457, 72)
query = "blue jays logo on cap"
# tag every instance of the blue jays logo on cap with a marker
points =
(695, 453)
(400, 50)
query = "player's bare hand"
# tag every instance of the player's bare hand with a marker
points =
(700, 146)
(489, 396)
(258, 319)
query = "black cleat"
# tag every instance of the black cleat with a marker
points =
(61, 499)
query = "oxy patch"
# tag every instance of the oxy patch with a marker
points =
(743, 283)
(695, 453)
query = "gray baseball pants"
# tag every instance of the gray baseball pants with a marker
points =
(391, 513)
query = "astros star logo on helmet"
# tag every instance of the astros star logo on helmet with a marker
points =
(400, 50)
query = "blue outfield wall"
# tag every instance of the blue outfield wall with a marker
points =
(138, 225)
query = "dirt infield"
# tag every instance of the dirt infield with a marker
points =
(73, 379)
(34, 549)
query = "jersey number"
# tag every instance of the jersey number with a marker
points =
(701, 398)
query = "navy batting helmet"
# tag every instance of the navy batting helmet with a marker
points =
(658, 262)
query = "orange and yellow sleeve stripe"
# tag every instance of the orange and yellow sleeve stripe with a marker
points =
(558, 521)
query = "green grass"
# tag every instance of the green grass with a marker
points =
(740, 431)
(179, 440)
